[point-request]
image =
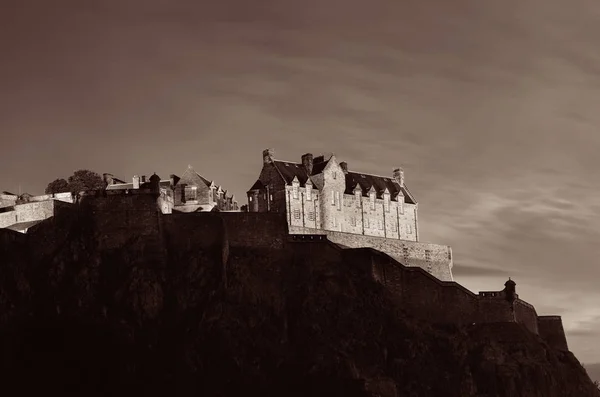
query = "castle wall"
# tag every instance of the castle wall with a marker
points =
(8, 218)
(434, 258)
(7, 200)
(34, 211)
(552, 331)
(118, 216)
(525, 314)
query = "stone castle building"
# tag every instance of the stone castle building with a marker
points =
(354, 209)
(189, 193)
(20, 212)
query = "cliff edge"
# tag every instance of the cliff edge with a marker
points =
(95, 305)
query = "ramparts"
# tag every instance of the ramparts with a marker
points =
(434, 258)
(115, 218)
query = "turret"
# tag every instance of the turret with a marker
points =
(510, 290)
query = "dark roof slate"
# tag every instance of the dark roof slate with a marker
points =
(289, 170)
(379, 183)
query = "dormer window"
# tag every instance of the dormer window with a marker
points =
(357, 197)
(191, 193)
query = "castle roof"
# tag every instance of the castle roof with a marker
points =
(290, 170)
(379, 184)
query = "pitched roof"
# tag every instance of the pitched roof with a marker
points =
(379, 183)
(289, 169)
(190, 175)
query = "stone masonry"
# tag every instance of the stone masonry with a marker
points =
(322, 196)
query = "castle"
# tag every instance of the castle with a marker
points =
(354, 209)
(364, 221)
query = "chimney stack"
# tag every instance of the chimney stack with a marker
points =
(399, 176)
(268, 155)
(172, 178)
(143, 180)
(136, 182)
(344, 167)
(307, 162)
(108, 179)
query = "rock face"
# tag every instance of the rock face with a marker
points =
(189, 313)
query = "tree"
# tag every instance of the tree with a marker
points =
(85, 180)
(57, 186)
(80, 180)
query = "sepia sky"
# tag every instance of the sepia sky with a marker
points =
(491, 107)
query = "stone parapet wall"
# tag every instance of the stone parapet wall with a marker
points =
(552, 331)
(433, 258)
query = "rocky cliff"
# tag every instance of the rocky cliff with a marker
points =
(158, 314)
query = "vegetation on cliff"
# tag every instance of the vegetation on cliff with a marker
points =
(146, 317)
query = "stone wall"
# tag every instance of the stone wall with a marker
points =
(552, 331)
(434, 258)
(34, 211)
(445, 302)
(525, 314)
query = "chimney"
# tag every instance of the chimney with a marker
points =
(307, 162)
(268, 155)
(143, 180)
(172, 178)
(399, 176)
(108, 178)
(136, 182)
(344, 167)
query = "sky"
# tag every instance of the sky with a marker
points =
(490, 107)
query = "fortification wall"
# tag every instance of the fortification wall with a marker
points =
(34, 211)
(8, 218)
(552, 331)
(434, 258)
(255, 229)
(44, 238)
(525, 314)
(117, 216)
(9, 238)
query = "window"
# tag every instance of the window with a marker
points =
(333, 221)
(271, 197)
(386, 202)
(380, 224)
(353, 221)
(332, 198)
(409, 229)
(191, 193)
(334, 175)
(357, 197)
(339, 201)
(372, 198)
(249, 198)
(297, 214)
(308, 192)
(295, 191)
(366, 223)
(401, 204)
(311, 215)
(428, 255)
